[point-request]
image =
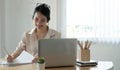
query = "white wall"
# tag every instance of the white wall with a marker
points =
(18, 16)
(2, 27)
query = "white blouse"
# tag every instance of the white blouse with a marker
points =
(29, 42)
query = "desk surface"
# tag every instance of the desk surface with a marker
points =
(102, 65)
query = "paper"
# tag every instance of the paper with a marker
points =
(23, 58)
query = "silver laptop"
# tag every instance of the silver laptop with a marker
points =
(58, 52)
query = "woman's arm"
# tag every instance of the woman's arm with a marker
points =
(21, 46)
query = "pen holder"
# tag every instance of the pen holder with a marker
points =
(84, 55)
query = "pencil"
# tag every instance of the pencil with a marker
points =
(86, 44)
(89, 44)
(81, 46)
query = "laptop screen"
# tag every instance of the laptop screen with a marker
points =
(58, 52)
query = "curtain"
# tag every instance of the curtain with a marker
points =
(97, 20)
(107, 20)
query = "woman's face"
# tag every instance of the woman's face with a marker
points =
(40, 21)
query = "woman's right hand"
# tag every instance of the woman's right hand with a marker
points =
(9, 58)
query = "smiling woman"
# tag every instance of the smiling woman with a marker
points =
(16, 17)
(41, 30)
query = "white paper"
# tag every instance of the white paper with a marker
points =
(23, 58)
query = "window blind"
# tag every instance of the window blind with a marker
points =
(93, 19)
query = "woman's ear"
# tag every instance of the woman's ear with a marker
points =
(33, 22)
(47, 24)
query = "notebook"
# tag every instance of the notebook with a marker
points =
(86, 63)
(58, 52)
(23, 58)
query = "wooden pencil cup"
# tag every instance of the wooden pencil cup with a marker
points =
(84, 55)
(85, 50)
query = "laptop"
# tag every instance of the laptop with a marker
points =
(58, 52)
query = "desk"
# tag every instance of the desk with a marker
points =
(102, 65)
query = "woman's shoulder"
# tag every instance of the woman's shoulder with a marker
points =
(28, 32)
(54, 33)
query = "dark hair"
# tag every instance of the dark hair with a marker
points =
(44, 9)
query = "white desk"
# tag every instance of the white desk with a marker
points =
(102, 65)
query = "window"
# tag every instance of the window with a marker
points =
(93, 19)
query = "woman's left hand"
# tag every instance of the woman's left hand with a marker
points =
(35, 60)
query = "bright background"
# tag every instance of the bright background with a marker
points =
(92, 20)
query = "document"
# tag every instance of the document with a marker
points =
(23, 58)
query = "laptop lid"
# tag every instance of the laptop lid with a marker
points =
(58, 52)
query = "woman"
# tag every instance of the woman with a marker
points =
(29, 42)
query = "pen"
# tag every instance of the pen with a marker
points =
(86, 44)
(80, 44)
(89, 44)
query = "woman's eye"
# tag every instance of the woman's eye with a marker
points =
(43, 20)
(36, 19)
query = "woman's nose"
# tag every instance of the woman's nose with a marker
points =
(39, 22)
